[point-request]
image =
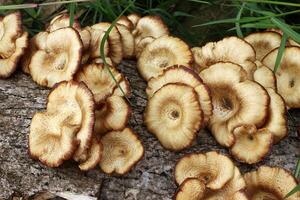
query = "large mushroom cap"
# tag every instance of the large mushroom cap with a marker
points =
(235, 100)
(212, 168)
(127, 41)
(162, 53)
(62, 21)
(230, 49)
(141, 45)
(174, 116)
(134, 18)
(270, 183)
(60, 59)
(190, 189)
(124, 20)
(94, 155)
(288, 73)
(263, 42)
(121, 151)
(96, 38)
(264, 76)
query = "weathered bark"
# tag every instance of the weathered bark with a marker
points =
(152, 178)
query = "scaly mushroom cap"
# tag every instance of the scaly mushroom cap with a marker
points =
(125, 86)
(62, 21)
(235, 100)
(93, 156)
(212, 168)
(114, 41)
(60, 59)
(112, 115)
(121, 151)
(126, 22)
(68, 96)
(134, 18)
(288, 73)
(230, 49)
(141, 45)
(174, 116)
(251, 145)
(263, 42)
(127, 41)
(94, 47)
(9, 65)
(270, 183)
(264, 76)
(162, 53)
(190, 189)
(99, 80)
(182, 74)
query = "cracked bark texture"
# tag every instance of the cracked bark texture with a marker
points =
(152, 178)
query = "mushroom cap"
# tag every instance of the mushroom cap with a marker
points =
(125, 86)
(75, 98)
(134, 18)
(270, 183)
(235, 100)
(264, 76)
(93, 156)
(99, 80)
(60, 59)
(162, 53)
(9, 65)
(96, 38)
(112, 115)
(230, 49)
(251, 145)
(62, 21)
(126, 22)
(127, 41)
(212, 168)
(114, 41)
(185, 75)
(141, 45)
(174, 116)
(190, 189)
(263, 42)
(287, 75)
(121, 151)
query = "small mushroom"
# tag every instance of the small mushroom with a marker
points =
(94, 48)
(264, 76)
(185, 75)
(270, 183)
(127, 41)
(211, 168)
(62, 21)
(134, 18)
(121, 151)
(263, 42)
(141, 45)
(162, 53)
(100, 61)
(124, 20)
(60, 59)
(93, 156)
(174, 116)
(123, 89)
(190, 189)
(287, 75)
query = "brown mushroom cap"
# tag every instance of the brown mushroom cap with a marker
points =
(121, 151)
(100, 61)
(263, 42)
(127, 41)
(162, 53)
(93, 156)
(190, 189)
(62, 21)
(96, 38)
(124, 20)
(212, 168)
(125, 86)
(59, 60)
(174, 116)
(288, 73)
(134, 18)
(264, 76)
(141, 45)
(230, 49)
(182, 74)
(270, 183)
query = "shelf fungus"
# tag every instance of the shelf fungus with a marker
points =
(121, 151)
(162, 53)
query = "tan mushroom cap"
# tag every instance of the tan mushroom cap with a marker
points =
(174, 116)
(60, 59)
(264, 76)
(270, 183)
(127, 41)
(62, 21)
(230, 49)
(141, 45)
(124, 20)
(121, 151)
(99, 80)
(134, 18)
(9, 65)
(263, 42)
(93, 156)
(114, 41)
(112, 115)
(212, 168)
(162, 53)
(190, 189)
(287, 75)
(235, 100)
(95, 41)
(123, 89)
(182, 74)
(100, 61)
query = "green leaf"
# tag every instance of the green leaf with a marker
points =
(237, 24)
(297, 171)
(293, 191)
(280, 52)
(72, 12)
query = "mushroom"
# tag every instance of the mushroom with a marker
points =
(93, 156)
(190, 189)
(60, 59)
(112, 115)
(185, 75)
(127, 41)
(264, 76)
(100, 61)
(270, 183)
(121, 151)
(124, 20)
(235, 100)
(123, 89)
(211, 168)
(287, 75)
(134, 18)
(141, 45)
(162, 53)
(62, 21)
(174, 116)
(94, 47)
(263, 42)
(230, 49)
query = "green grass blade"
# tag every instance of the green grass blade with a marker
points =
(274, 2)
(286, 29)
(293, 191)
(22, 6)
(72, 12)
(280, 52)
(237, 24)
(62, 2)
(297, 171)
(199, 1)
